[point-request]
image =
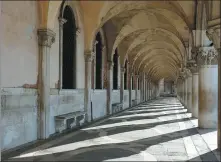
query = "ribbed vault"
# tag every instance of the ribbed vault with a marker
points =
(151, 36)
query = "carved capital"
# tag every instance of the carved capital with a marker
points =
(88, 56)
(46, 37)
(122, 69)
(110, 65)
(192, 66)
(207, 56)
(78, 31)
(61, 21)
(214, 35)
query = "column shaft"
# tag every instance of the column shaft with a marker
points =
(109, 87)
(189, 93)
(45, 39)
(87, 90)
(195, 94)
(122, 85)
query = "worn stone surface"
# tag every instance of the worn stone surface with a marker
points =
(171, 136)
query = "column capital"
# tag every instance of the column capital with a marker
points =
(46, 37)
(78, 31)
(110, 64)
(207, 56)
(61, 21)
(192, 66)
(122, 69)
(88, 56)
(213, 34)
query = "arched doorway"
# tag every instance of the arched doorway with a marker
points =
(69, 50)
(115, 70)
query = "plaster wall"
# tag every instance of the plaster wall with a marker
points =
(99, 103)
(126, 99)
(115, 96)
(19, 52)
(19, 117)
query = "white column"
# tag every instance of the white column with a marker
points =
(122, 85)
(46, 38)
(87, 90)
(208, 87)
(130, 86)
(61, 23)
(189, 93)
(109, 86)
(214, 35)
(195, 94)
(136, 88)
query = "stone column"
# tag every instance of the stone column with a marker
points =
(214, 35)
(109, 86)
(208, 87)
(1, 134)
(141, 88)
(195, 87)
(104, 58)
(87, 89)
(130, 86)
(46, 38)
(122, 85)
(136, 88)
(189, 92)
(185, 90)
(61, 23)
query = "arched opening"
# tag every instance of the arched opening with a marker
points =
(125, 76)
(115, 70)
(69, 50)
(98, 70)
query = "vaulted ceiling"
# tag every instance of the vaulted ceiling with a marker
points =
(151, 35)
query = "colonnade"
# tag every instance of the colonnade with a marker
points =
(197, 87)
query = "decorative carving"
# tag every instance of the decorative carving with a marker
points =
(207, 56)
(88, 56)
(61, 21)
(110, 65)
(123, 69)
(46, 37)
(214, 35)
(192, 66)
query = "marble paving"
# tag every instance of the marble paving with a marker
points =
(160, 130)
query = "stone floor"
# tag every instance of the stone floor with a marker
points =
(160, 130)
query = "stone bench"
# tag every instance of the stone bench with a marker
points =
(69, 121)
(116, 107)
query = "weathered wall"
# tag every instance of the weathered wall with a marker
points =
(126, 99)
(19, 52)
(115, 96)
(63, 102)
(19, 116)
(99, 103)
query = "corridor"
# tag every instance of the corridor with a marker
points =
(159, 130)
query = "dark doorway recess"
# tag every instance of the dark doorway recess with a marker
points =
(98, 62)
(69, 50)
(115, 70)
(125, 76)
